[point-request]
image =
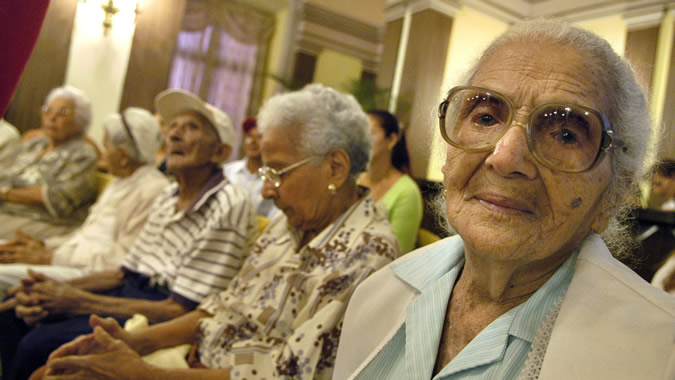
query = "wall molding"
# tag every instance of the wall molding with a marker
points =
(396, 8)
(638, 14)
(318, 28)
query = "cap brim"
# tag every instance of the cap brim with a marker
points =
(171, 103)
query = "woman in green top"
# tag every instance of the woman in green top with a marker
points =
(389, 184)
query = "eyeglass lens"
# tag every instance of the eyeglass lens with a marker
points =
(269, 174)
(56, 111)
(563, 136)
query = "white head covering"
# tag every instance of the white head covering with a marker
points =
(136, 130)
(170, 103)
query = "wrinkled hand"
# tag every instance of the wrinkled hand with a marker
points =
(24, 249)
(111, 327)
(25, 254)
(96, 356)
(56, 297)
(34, 298)
(28, 308)
(20, 292)
(26, 283)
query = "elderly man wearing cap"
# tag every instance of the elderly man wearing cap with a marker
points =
(244, 172)
(131, 139)
(195, 240)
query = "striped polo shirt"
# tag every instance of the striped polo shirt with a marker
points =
(195, 252)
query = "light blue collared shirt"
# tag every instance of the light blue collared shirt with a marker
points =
(497, 352)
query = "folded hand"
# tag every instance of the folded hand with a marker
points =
(96, 356)
(24, 249)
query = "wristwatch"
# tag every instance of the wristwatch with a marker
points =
(4, 189)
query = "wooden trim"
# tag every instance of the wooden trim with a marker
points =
(318, 28)
(152, 52)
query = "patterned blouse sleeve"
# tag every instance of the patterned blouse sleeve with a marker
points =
(309, 352)
(69, 179)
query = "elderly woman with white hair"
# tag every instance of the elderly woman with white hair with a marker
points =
(546, 144)
(280, 317)
(46, 189)
(131, 139)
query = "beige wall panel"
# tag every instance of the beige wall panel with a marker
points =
(385, 70)
(640, 52)
(421, 83)
(370, 11)
(152, 52)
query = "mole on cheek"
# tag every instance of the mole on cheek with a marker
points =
(576, 203)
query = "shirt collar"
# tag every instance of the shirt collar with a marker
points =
(532, 312)
(425, 269)
(242, 168)
(212, 185)
(523, 322)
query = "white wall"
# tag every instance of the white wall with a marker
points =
(97, 64)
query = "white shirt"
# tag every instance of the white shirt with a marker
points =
(111, 227)
(94, 246)
(237, 173)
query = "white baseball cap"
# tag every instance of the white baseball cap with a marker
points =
(139, 127)
(172, 102)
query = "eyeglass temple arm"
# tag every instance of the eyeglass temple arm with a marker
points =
(613, 142)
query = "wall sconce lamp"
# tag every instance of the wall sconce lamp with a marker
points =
(110, 9)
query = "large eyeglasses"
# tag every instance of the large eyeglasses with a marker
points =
(274, 176)
(565, 137)
(56, 111)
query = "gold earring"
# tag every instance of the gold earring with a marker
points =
(332, 189)
(445, 193)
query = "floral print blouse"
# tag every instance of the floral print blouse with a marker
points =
(281, 316)
(66, 176)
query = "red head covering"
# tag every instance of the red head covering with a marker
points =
(249, 124)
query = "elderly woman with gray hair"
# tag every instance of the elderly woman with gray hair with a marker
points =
(131, 139)
(281, 315)
(546, 144)
(46, 188)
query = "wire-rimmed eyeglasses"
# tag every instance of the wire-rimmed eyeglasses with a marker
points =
(47, 110)
(274, 176)
(565, 137)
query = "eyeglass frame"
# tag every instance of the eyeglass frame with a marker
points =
(608, 141)
(56, 111)
(263, 170)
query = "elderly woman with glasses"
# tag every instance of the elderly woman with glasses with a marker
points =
(281, 315)
(46, 188)
(546, 143)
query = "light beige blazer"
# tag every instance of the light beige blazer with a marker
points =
(611, 325)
